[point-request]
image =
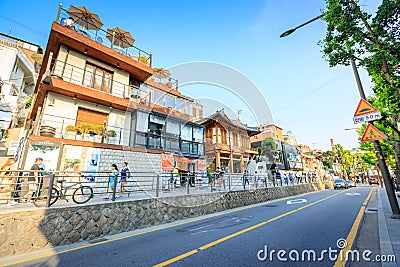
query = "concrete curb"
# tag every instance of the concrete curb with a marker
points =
(384, 238)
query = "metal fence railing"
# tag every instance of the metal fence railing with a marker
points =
(44, 189)
(101, 36)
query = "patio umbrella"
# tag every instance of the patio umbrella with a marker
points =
(121, 38)
(85, 18)
(38, 58)
(161, 73)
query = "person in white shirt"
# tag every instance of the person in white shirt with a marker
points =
(69, 23)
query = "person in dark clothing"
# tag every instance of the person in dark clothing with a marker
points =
(35, 178)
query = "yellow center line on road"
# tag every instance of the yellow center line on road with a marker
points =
(218, 241)
(187, 221)
(342, 257)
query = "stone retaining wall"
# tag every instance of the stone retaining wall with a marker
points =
(36, 229)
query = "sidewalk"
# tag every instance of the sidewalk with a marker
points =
(389, 229)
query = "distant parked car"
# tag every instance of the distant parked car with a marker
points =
(340, 183)
(373, 180)
(351, 183)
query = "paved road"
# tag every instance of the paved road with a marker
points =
(314, 221)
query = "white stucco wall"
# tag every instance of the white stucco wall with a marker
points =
(60, 111)
(73, 71)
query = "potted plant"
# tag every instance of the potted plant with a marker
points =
(86, 128)
(98, 130)
(70, 132)
(112, 136)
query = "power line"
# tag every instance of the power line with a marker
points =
(309, 93)
(23, 25)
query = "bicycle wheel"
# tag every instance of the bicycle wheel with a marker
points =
(82, 194)
(41, 200)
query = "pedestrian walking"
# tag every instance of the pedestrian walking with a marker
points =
(246, 178)
(217, 176)
(125, 174)
(113, 180)
(35, 179)
(279, 176)
(291, 178)
(285, 179)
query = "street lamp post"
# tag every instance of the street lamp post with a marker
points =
(378, 150)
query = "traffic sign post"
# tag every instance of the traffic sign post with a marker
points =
(371, 133)
(365, 112)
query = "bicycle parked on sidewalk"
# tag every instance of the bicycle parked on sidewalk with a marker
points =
(81, 194)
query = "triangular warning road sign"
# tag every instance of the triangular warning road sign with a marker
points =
(371, 133)
(364, 108)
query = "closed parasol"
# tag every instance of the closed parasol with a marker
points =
(120, 37)
(85, 18)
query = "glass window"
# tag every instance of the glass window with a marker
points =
(142, 122)
(157, 119)
(171, 144)
(189, 108)
(219, 135)
(185, 147)
(180, 105)
(170, 101)
(97, 78)
(140, 139)
(198, 134)
(144, 93)
(214, 135)
(239, 143)
(173, 127)
(186, 132)
(159, 98)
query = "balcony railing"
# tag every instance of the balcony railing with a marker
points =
(100, 82)
(145, 94)
(57, 126)
(100, 36)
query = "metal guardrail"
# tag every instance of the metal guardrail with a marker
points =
(21, 186)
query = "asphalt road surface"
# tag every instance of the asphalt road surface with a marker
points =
(250, 236)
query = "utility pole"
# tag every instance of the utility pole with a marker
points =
(379, 154)
(378, 150)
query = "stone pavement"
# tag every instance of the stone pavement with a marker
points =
(389, 229)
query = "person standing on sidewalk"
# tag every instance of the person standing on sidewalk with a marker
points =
(35, 179)
(125, 173)
(113, 180)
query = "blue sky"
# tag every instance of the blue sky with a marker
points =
(306, 97)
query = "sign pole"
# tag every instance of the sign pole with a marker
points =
(381, 160)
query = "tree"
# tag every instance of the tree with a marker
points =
(268, 149)
(328, 157)
(373, 41)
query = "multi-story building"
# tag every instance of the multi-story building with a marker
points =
(268, 130)
(99, 104)
(283, 148)
(18, 74)
(227, 142)
(312, 160)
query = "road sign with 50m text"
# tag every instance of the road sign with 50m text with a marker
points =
(365, 112)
